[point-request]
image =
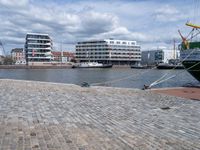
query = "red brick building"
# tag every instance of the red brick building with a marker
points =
(63, 56)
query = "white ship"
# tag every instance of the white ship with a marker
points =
(92, 65)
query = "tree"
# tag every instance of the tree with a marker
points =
(8, 60)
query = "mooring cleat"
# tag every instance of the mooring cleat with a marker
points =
(145, 87)
(85, 84)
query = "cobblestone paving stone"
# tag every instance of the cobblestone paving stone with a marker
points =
(41, 116)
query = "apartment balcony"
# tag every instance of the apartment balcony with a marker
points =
(40, 57)
(39, 48)
(41, 39)
(49, 43)
(35, 53)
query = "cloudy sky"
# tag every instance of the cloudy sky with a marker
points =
(152, 23)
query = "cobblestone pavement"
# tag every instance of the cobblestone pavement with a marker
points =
(35, 115)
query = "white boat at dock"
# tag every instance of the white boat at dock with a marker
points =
(91, 65)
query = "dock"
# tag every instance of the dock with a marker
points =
(53, 116)
(192, 93)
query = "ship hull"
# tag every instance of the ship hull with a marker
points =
(193, 67)
(169, 66)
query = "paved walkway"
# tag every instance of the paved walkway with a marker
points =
(35, 115)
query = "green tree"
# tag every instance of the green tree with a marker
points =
(8, 60)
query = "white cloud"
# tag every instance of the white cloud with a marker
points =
(169, 13)
(14, 3)
(144, 21)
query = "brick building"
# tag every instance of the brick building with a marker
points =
(18, 55)
(63, 56)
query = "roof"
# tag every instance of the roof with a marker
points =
(15, 50)
(37, 34)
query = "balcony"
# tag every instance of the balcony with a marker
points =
(41, 39)
(49, 43)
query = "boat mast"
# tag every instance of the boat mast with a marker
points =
(174, 49)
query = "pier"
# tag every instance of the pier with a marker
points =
(41, 116)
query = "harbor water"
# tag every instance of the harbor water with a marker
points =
(117, 77)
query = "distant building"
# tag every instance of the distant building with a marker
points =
(117, 52)
(159, 55)
(62, 56)
(2, 53)
(18, 56)
(38, 48)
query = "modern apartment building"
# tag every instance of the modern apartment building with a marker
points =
(116, 52)
(38, 48)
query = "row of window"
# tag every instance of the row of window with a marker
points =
(93, 50)
(39, 46)
(123, 42)
(36, 55)
(38, 50)
(37, 41)
(107, 57)
(92, 42)
(92, 53)
(106, 46)
(108, 53)
(39, 60)
(90, 46)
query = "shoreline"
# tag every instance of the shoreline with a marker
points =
(53, 66)
(35, 67)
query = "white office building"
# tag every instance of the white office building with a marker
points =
(159, 55)
(38, 48)
(116, 52)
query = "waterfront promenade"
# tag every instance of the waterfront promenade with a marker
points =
(37, 115)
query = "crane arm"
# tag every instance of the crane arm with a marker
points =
(185, 41)
(192, 25)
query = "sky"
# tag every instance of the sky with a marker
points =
(152, 23)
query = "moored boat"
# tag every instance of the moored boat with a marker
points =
(92, 65)
(140, 66)
(169, 66)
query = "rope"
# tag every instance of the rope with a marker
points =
(176, 74)
(160, 79)
(120, 79)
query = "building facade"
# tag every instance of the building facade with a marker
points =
(116, 52)
(2, 53)
(159, 55)
(63, 57)
(38, 48)
(18, 56)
